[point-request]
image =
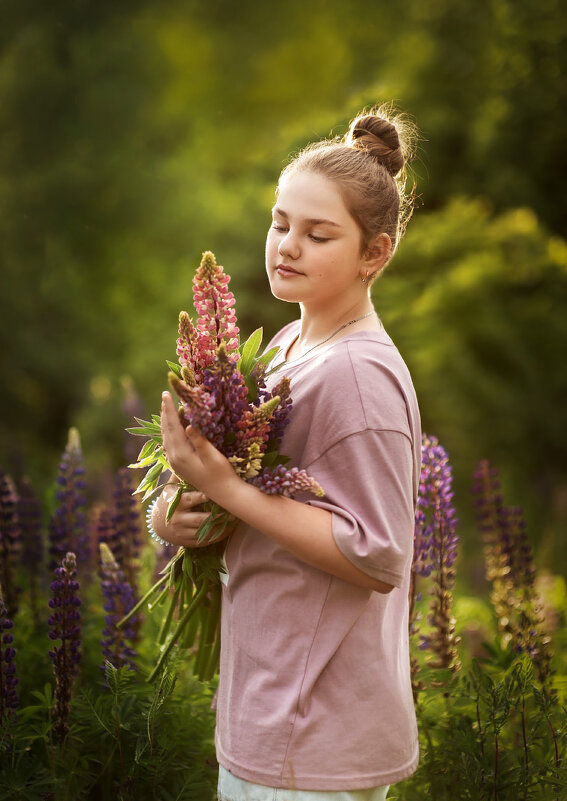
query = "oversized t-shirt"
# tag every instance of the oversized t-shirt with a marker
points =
(314, 690)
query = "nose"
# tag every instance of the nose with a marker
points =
(289, 246)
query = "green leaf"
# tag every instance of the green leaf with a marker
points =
(147, 449)
(150, 478)
(174, 503)
(175, 367)
(249, 351)
(267, 357)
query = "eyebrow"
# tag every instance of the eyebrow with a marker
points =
(310, 221)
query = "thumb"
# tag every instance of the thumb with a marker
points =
(197, 440)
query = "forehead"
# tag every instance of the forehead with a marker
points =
(309, 195)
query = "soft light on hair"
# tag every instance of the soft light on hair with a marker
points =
(369, 166)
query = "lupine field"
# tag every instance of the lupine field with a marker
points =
(134, 136)
(80, 720)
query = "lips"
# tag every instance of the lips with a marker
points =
(286, 270)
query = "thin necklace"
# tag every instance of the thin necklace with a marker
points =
(318, 345)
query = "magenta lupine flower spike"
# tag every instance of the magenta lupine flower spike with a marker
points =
(281, 480)
(127, 521)
(65, 628)
(214, 304)
(68, 524)
(435, 551)
(117, 644)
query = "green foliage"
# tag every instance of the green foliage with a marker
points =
(491, 732)
(132, 740)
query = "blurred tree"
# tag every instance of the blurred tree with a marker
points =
(477, 303)
(137, 135)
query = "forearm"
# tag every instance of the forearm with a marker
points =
(303, 530)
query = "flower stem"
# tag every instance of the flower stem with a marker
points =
(178, 630)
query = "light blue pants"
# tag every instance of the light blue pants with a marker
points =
(231, 788)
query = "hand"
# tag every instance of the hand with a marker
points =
(193, 458)
(185, 521)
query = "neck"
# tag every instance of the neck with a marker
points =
(318, 324)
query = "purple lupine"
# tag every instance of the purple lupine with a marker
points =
(10, 537)
(68, 523)
(29, 512)
(435, 551)
(118, 601)
(282, 480)
(9, 701)
(280, 418)
(106, 530)
(127, 521)
(65, 628)
(511, 571)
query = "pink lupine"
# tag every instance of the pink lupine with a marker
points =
(214, 304)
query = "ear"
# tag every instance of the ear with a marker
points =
(377, 254)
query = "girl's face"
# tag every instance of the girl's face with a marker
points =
(313, 248)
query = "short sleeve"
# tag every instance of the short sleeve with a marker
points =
(369, 488)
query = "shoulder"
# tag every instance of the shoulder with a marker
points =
(362, 383)
(371, 366)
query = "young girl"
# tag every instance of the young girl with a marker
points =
(314, 700)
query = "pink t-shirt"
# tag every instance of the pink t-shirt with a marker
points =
(314, 690)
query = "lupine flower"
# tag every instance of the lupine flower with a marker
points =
(29, 512)
(68, 524)
(118, 602)
(65, 629)
(435, 551)
(10, 536)
(9, 701)
(280, 418)
(127, 526)
(196, 345)
(511, 571)
(214, 304)
(281, 480)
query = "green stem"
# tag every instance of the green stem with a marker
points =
(164, 628)
(213, 664)
(178, 629)
(141, 602)
(159, 599)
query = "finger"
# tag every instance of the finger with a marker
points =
(169, 419)
(189, 520)
(200, 443)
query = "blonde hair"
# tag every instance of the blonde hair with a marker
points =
(369, 165)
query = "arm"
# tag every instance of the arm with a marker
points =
(303, 530)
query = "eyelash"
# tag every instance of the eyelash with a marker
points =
(318, 239)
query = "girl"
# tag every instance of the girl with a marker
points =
(314, 700)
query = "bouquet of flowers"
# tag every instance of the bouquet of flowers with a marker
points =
(222, 392)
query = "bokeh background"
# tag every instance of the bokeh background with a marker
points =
(135, 135)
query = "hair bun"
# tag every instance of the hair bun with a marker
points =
(379, 138)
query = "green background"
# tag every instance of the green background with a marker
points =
(135, 135)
